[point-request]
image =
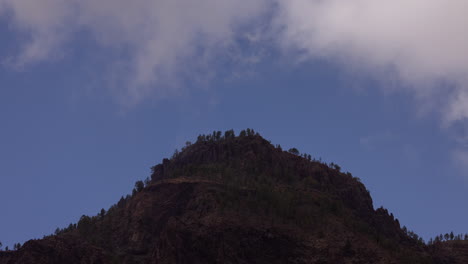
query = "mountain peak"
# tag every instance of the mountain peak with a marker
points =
(250, 158)
(239, 199)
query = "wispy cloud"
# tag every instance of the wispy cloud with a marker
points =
(421, 43)
(460, 158)
(378, 140)
(160, 37)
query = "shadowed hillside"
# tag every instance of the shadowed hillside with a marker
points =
(239, 199)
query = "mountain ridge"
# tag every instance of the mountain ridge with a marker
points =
(239, 199)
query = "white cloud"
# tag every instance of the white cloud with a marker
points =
(45, 24)
(422, 42)
(159, 36)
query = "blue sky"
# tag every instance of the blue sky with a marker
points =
(87, 107)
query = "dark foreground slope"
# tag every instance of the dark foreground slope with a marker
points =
(228, 199)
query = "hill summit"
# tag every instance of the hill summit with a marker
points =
(240, 199)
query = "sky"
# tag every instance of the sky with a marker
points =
(94, 93)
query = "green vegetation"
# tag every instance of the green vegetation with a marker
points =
(294, 151)
(16, 246)
(264, 182)
(139, 185)
(413, 235)
(447, 237)
(260, 179)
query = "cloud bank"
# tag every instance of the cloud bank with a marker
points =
(157, 37)
(421, 43)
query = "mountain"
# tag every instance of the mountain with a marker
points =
(240, 199)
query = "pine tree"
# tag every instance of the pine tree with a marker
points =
(102, 213)
(293, 151)
(16, 246)
(139, 186)
(229, 134)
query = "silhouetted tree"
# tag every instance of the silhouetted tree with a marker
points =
(139, 185)
(121, 202)
(337, 167)
(293, 151)
(102, 213)
(85, 225)
(16, 246)
(1, 245)
(201, 138)
(216, 135)
(147, 181)
(229, 134)
(176, 153)
(250, 132)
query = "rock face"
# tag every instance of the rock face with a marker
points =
(228, 199)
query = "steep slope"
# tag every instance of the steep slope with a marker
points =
(228, 199)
